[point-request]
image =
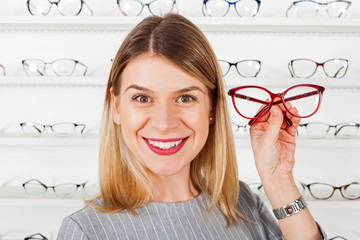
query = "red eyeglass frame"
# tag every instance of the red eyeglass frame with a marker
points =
(317, 90)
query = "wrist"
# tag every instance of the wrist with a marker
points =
(280, 190)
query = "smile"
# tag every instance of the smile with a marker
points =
(165, 146)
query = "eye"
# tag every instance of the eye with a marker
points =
(186, 98)
(142, 98)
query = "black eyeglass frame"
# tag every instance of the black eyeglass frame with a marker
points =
(31, 237)
(143, 5)
(81, 185)
(41, 131)
(82, 2)
(337, 127)
(206, 13)
(235, 64)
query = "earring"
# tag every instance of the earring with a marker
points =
(211, 118)
(118, 119)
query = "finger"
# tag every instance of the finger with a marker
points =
(296, 121)
(275, 121)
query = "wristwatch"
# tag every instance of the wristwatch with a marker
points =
(290, 209)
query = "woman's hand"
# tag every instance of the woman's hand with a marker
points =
(273, 143)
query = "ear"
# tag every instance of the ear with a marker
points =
(115, 107)
(212, 117)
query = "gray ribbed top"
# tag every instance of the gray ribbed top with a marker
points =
(183, 220)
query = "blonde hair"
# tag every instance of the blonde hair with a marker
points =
(124, 183)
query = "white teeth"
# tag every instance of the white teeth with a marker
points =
(164, 145)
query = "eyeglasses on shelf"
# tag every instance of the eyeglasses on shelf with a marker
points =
(156, 7)
(2, 70)
(245, 68)
(61, 67)
(236, 128)
(323, 191)
(320, 130)
(38, 236)
(65, 129)
(305, 68)
(338, 238)
(310, 9)
(65, 7)
(253, 102)
(36, 189)
(220, 8)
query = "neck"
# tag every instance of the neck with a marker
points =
(175, 188)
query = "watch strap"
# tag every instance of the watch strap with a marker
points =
(292, 208)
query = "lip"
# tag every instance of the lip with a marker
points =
(169, 151)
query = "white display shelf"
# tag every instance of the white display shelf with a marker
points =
(42, 203)
(54, 81)
(326, 204)
(310, 143)
(217, 24)
(49, 141)
(231, 82)
(344, 83)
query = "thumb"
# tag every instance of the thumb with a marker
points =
(275, 121)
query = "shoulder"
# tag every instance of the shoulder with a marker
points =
(89, 222)
(249, 203)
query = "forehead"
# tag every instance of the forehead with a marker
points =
(157, 73)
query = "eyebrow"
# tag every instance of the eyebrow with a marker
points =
(183, 90)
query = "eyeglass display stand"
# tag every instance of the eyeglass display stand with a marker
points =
(269, 37)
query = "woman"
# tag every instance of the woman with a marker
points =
(167, 157)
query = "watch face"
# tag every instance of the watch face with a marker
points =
(289, 210)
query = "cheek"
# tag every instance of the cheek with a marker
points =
(197, 120)
(131, 119)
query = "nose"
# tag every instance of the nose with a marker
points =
(164, 117)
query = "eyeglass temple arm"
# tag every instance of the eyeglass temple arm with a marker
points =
(86, 68)
(266, 108)
(338, 71)
(290, 69)
(253, 120)
(203, 7)
(91, 11)
(3, 68)
(81, 125)
(287, 11)
(36, 69)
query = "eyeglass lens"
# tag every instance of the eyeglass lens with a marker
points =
(305, 105)
(65, 7)
(334, 68)
(219, 8)
(135, 7)
(310, 9)
(245, 68)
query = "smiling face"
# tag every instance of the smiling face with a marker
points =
(164, 114)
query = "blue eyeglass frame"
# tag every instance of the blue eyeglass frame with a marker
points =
(319, 4)
(205, 13)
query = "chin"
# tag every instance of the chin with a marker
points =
(165, 170)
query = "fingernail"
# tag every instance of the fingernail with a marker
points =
(275, 111)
